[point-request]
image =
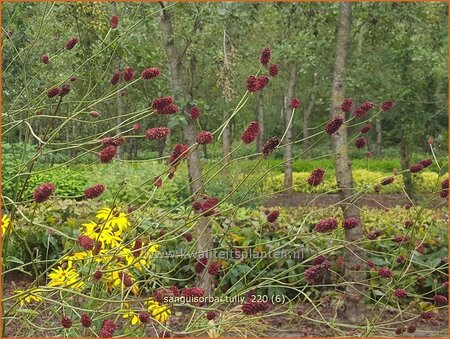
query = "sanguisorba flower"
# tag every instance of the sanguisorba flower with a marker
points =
(273, 216)
(158, 311)
(387, 105)
(161, 102)
(86, 320)
(316, 177)
(273, 70)
(94, 191)
(43, 192)
(295, 103)
(128, 74)
(150, 73)
(214, 268)
(254, 307)
(156, 133)
(71, 43)
(179, 152)
(366, 128)
(251, 133)
(350, 223)
(108, 328)
(45, 59)
(387, 181)
(265, 56)
(400, 293)
(416, 168)
(363, 109)
(114, 21)
(66, 322)
(334, 124)
(5, 223)
(116, 77)
(270, 146)
(360, 142)
(326, 225)
(108, 153)
(204, 138)
(53, 92)
(426, 162)
(195, 112)
(347, 105)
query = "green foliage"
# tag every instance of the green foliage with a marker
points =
(364, 180)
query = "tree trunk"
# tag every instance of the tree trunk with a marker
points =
(354, 308)
(226, 144)
(260, 139)
(378, 144)
(308, 113)
(202, 228)
(405, 160)
(287, 156)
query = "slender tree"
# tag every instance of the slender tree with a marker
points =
(354, 309)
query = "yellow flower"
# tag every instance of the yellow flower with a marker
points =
(158, 311)
(131, 314)
(101, 233)
(28, 296)
(113, 218)
(65, 278)
(5, 223)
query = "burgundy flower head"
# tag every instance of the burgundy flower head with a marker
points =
(200, 265)
(416, 168)
(273, 70)
(387, 105)
(273, 216)
(137, 127)
(426, 162)
(45, 59)
(157, 133)
(204, 138)
(347, 105)
(385, 272)
(252, 84)
(128, 74)
(250, 133)
(319, 260)
(408, 223)
(94, 114)
(295, 103)
(363, 109)
(270, 146)
(66, 322)
(195, 112)
(316, 177)
(86, 320)
(71, 43)
(188, 236)
(137, 248)
(387, 181)
(97, 276)
(263, 81)
(440, 299)
(334, 124)
(214, 268)
(108, 153)
(360, 142)
(326, 225)
(179, 152)
(114, 21)
(374, 234)
(316, 273)
(252, 308)
(116, 78)
(400, 259)
(43, 192)
(265, 56)
(211, 315)
(53, 92)
(169, 109)
(144, 317)
(158, 182)
(444, 184)
(126, 279)
(400, 293)
(85, 242)
(426, 315)
(366, 128)
(108, 328)
(94, 191)
(209, 206)
(150, 73)
(350, 223)
(192, 292)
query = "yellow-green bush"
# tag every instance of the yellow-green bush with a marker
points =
(363, 179)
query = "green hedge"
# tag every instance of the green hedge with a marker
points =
(364, 180)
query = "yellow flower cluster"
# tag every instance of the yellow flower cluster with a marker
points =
(5, 223)
(156, 310)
